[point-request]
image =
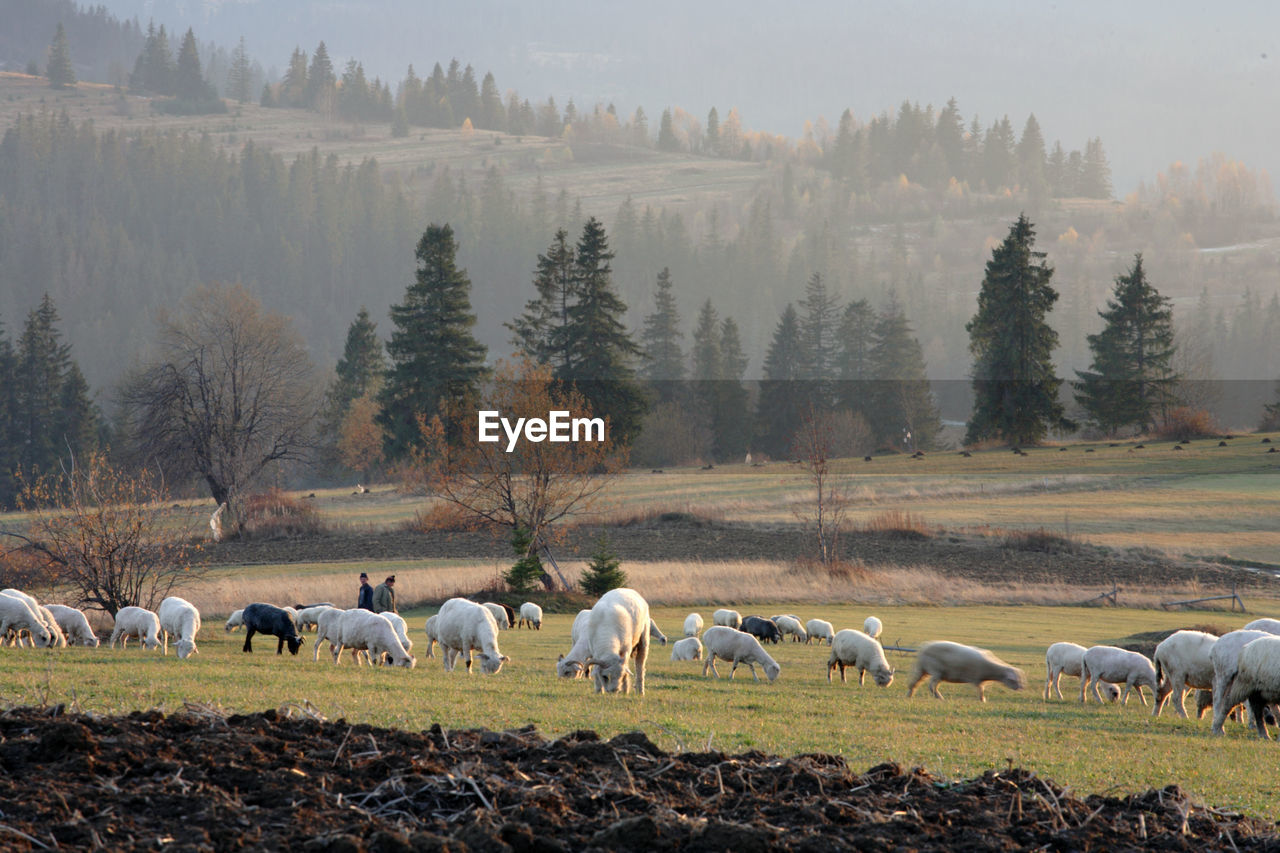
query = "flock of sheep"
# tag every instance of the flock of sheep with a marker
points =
(610, 644)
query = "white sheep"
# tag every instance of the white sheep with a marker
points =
(1064, 659)
(234, 621)
(618, 630)
(1182, 663)
(309, 617)
(16, 616)
(1257, 679)
(1271, 626)
(499, 615)
(374, 633)
(726, 617)
(872, 627)
(74, 624)
(180, 619)
(955, 663)
(693, 625)
(1117, 666)
(789, 625)
(730, 644)
(530, 615)
(820, 630)
(573, 665)
(329, 629)
(463, 626)
(136, 622)
(432, 637)
(401, 628)
(855, 649)
(57, 638)
(1225, 656)
(293, 614)
(690, 648)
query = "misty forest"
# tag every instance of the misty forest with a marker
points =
(392, 240)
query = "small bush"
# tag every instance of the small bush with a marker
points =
(1042, 540)
(1185, 423)
(836, 569)
(275, 515)
(604, 572)
(444, 517)
(897, 524)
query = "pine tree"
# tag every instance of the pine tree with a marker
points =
(604, 571)
(731, 419)
(705, 353)
(818, 329)
(153, 71)
(240, 75)
(8, 421)
(293, 88)
(539, 332)
(61, 73)
(1271, 413)
(900, 405)
(713, 132)
(1095, 173)
(436, 362)
(360, 369)
(854, 370)
(320, 80)
(667, 140)
(782, 398)
(1015, 389)
(1031, 160)
(42, 362)
(527, 570)
(188, 81)
(664, 357)
(1131, 379)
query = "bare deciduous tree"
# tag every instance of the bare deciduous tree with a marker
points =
(229, 392)
(814, 446)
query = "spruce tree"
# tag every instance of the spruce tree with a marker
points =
(359, 370)
(854, 370)
(436, 362)
(61, 74)
(539, 333)
(153, 70)
(293, 88)
(527, 570)
(321, 79)
(900, 405)
(782, 399)
(731, 420)
(240, 75)
(8, 418)
(1015, 388)
(1131, 379)
(818, 330)
(188, 80)
(664, 357)
(667, 140)
(604, 571)
(712, 133)
(1095, 171)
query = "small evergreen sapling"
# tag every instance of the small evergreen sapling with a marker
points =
(527, 569)
(604, 572)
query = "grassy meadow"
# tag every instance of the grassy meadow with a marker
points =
(1090, 748)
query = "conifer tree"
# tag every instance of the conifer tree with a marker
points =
(527, 570)
(854, 370)
(667, 140)
(900, 405)
(61, 74)
(293, 88)
(604, 571)
(731, 420)
(782, 399)
(664, 357)
(321, 79)
(153, 71)
(1131, 379)
(539, 332)
(436, 362)
(8, 418)
(712, 133)
(240, 75)
(818, 329)
(1015, 389)
(1095, 172)
(359, 370)
(188, 81)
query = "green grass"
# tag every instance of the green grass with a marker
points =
(1092, 749)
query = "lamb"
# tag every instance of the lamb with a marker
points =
(308, 617)
(181, 619)
(820, 630)
(74, 625)
(1225, 656)
(1182, 662)
(1118, 666)
(464, 625)
(855, 649)
(1064, 659)
(573, 665)
(692, 625)
(740, 647)
(690, 648)
(16, 615)
(959, 664)
(136, 622)
(762, 629)
(260, 618)
(1271, 626)
(656, 633)
(618, 629)
(43, 615)
(234, 621)
(1257, 680)
(364, 630)
(530, 615)
(730, 618)
(432, 636)
(790, 626)
(872, 627)
(500, 616)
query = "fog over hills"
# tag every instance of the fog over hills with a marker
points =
(1158, 81)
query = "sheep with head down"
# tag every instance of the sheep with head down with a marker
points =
(730, 644)
(690, 648)
(956, 663)
(858, 650)
(464, 626)
(17, 616)
(618, 631)
(136, 622)
(74, 624)
(179, 619)
(573, 664)
(1117, 666)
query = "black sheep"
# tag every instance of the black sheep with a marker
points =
(269, 619)
(764, 630)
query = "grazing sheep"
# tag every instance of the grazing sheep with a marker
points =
(1271, 626)
(573, 665)
(16, 615)
(1225, 656)
(855, 649)
(1117, 666)
(329, 628)
(530, 615)
(234, 621)
(690, 648)
(57, 638)
(309, 616)
(432, 636)
(136, 622)
(1182, 663)
(179, 619)
(260, 618)
(727, 643)
(501, 614)
(819, 630)
(618, 630)
(74, 624)
(872, 627)
(373, 633)
(790, 626)
(692, 625)
(729, 618)
(762, 629)
(959, 664)
(463, 626)
(1257, 680)
(1064, 659)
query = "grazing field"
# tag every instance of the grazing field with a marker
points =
(1088, 748)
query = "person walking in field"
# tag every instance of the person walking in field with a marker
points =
(365, 599)
(384, 596)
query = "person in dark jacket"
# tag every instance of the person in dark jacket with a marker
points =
(384, 596)
(365, 601)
